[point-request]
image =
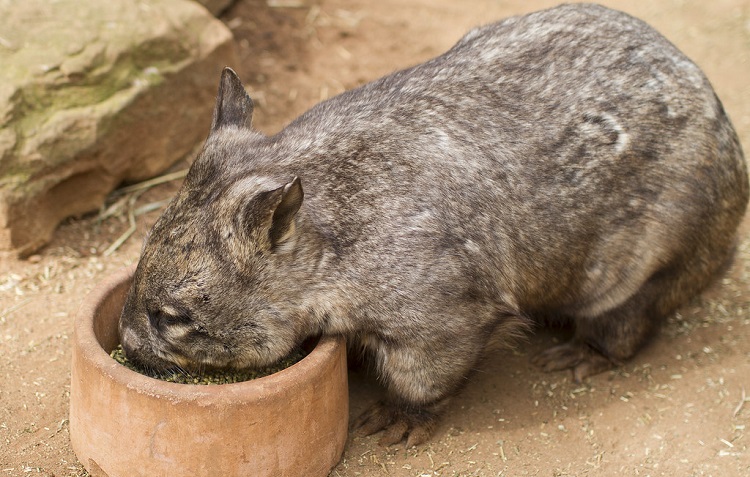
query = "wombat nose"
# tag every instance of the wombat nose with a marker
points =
(129, 341)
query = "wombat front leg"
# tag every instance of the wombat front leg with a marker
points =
(399, 421)
(420, 378)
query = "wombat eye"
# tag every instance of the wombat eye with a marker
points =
(160, 319)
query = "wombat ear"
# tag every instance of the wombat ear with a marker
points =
(233, 105)
(267, 217)
(282, 223)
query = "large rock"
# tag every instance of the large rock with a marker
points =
(93, 94)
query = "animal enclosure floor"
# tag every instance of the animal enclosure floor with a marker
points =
(679, 408)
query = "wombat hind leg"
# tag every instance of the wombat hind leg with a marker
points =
(575, 355)
(605, 341)
(609, 339)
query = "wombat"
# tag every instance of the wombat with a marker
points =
(569, 164)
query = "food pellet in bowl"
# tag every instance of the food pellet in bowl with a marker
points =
(216, 377)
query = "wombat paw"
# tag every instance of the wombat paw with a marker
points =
(396, 425)
(583, 360)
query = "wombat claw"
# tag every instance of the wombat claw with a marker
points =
(396, 425)
(574, 355)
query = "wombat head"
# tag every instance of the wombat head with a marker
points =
(218, 281)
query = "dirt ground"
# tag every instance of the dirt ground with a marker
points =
(678, 409)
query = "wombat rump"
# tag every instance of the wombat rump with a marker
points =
(570, 164)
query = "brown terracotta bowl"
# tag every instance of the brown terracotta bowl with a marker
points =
(291, 423)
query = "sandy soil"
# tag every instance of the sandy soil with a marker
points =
(678, 409)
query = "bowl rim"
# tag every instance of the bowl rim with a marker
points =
(287, 380)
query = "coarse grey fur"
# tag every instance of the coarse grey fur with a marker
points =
(570, 163)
